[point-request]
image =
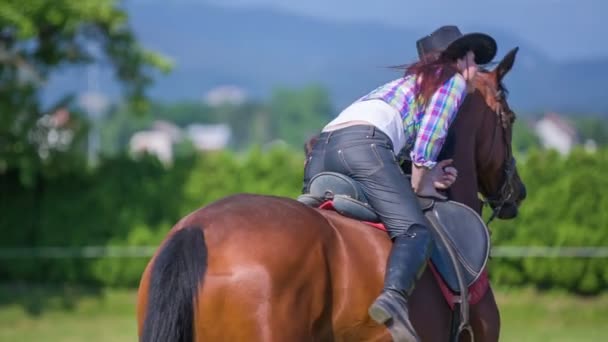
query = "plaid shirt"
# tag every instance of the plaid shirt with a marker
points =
(425, 127)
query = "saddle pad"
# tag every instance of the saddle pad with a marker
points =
(469, 237)
(476, 291)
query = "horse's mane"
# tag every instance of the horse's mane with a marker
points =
(495, 95)
(485, 74)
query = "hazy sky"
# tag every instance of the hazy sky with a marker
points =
(564, 29)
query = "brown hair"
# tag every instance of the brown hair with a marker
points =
(432, 73)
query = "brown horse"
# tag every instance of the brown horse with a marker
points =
(265, 268)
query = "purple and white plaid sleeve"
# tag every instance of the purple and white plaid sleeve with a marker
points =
(439, 114)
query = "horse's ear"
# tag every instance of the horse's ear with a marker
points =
(506, 64)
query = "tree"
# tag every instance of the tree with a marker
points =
(594, 128)
(38, 37)
(298, 114)
(524, 137)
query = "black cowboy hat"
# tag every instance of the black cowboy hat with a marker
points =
(448, 41)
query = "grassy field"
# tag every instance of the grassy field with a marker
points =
(530, 316)
(70, 315)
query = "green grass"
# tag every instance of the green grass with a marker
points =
(66, 315)
(555, 317)
(70, 315)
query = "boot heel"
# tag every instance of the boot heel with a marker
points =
(379, 314)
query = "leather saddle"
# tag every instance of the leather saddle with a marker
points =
(461, 245)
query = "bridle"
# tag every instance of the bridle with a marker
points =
(506, 191)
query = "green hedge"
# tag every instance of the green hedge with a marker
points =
(566, 206)
(135, 202)
(125, 202)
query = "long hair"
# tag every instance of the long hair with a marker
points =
(431, 73)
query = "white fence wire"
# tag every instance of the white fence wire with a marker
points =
(89, 252)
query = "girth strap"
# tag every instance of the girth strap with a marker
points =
(463, 298)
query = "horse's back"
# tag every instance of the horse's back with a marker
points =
(255, 227)
(268, 272)
(281, 268)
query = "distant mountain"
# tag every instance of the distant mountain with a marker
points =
(259, 49)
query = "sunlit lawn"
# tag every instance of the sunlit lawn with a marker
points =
(528, 316)
(70, 315)
(67, 315)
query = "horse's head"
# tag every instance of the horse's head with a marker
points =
(497, 175)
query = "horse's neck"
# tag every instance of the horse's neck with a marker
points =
(465, 189)
(493, 150)
(462, 141)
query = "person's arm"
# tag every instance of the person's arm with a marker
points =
(440, 112)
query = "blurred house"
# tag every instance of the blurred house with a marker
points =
(154, 142)
(161, 138)
(209, 137)
(556, 133)
(170, 129)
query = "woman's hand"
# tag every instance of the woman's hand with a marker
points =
(425, 182)
(444, 175)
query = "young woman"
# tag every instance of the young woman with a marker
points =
(410, 115)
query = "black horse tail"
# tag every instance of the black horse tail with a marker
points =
(177, 271)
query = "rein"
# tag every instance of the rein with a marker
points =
(505, 192)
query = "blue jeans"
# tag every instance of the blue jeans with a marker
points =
(365, 154)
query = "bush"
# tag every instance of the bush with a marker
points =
(565, 207)
(134, 203)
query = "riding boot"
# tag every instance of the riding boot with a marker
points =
(406, 263)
